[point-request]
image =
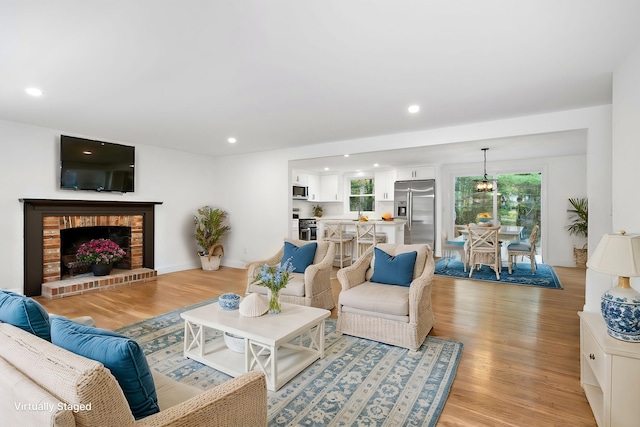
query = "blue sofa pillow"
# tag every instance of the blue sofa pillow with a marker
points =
(301, 257)
(393, 270)
(121, 355)
(24, 313)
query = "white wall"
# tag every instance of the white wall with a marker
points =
(268, 194)
(181, 181)
(253, 188)
(625, 155)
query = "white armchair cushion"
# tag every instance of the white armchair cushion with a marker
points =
(170, 392)
(378, 298)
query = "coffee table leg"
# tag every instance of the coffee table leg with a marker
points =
(269, 367)
(193, 337)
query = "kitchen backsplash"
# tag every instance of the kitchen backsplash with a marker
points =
(336, 210)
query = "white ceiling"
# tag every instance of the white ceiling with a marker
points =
(282, 73)
(568, 143)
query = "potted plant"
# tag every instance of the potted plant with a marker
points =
(101, 254)
(317, 211)
(579, 227)
(210, 231)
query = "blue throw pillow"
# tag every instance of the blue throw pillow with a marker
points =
(301, 257)
(393, 270)
(121, 355)
(24, 313)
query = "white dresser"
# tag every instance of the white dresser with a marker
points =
(609, 374)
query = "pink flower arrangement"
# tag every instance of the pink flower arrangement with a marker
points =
(100, 251)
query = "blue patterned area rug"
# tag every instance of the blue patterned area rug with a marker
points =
(545, 276)
(358, 383)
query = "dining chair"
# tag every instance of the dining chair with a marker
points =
(524, 249)
(484, 249)
(450, 247)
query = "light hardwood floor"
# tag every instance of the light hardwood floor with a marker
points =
(520, 362)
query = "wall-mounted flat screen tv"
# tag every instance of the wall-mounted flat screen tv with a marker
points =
(86, 164)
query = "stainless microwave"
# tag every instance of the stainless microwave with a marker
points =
(300, 192)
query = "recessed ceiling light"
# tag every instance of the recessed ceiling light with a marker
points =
(88, 153)
(232, 140)
(414, 109)
(326, 169)
(375, 165)
(33, 91)
(346, 155)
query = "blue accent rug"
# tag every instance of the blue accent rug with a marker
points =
(545, 276)
(359, 382)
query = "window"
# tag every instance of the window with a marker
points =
(361, 195)
(518, 201)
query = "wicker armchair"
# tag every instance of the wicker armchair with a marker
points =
(396, 315)
(311, 288)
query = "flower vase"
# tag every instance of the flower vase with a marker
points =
(101, 269)
(274, 302)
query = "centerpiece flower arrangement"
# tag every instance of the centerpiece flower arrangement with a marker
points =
(484, 217)
(274, 278)
(100, 252)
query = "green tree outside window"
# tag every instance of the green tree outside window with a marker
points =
(361, 195)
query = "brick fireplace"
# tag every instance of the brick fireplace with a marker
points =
(46, 220)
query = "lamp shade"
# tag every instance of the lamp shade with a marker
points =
(617, 255)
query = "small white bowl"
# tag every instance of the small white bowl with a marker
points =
(234, 342)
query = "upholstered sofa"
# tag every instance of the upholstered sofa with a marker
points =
(45, 385)
(60, 372)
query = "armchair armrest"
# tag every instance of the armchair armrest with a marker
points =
(312, 272)
(354, 274)
(420, 289)
(240, 401)
(252, 267)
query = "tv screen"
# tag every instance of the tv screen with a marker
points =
(95, 165)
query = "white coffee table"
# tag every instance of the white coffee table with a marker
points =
(269, 340)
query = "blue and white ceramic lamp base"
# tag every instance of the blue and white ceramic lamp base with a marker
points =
(621, 311)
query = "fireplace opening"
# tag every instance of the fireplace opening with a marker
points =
(72, 238)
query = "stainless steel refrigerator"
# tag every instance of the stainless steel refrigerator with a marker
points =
(415, 202)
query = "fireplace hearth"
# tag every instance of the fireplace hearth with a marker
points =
(46, 223)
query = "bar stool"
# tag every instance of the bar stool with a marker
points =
(335, 233)
(366, 236)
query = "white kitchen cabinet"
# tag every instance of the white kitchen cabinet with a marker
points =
(313, 184)
(609, 373)
(418, 172)
(384, 182)
(330, 188)
(299, 178)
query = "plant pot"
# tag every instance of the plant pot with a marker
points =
(210, 263)
(101, 269)
(580, 255)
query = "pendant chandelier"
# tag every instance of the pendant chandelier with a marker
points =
(485, 184)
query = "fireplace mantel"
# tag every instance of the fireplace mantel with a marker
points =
(36, 209)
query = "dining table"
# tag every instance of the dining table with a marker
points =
(506, 235)
(510, 233)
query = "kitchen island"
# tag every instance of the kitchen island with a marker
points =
(394, 229)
